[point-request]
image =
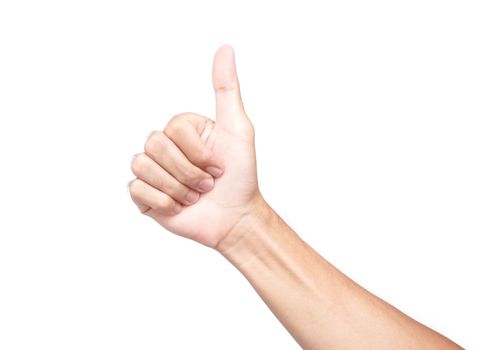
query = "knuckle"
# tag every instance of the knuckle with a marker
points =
(173, 191)
(164, 203)
(164, 186)
(183, 116)
(190, 174)
(172, 129)
(138, 164)
(153, 144)
(159, 183)
(134, 187)
(205, 155)
(176, 123)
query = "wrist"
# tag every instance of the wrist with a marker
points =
(245, 241)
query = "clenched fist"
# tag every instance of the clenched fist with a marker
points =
(197, 177)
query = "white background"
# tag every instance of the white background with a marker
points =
(372, 123)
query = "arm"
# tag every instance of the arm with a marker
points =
(319, 306)
(198, 179)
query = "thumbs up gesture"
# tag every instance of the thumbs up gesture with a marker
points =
(197, 177)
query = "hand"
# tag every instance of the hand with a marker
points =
(198, 177)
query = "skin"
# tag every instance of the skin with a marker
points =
(198, 179)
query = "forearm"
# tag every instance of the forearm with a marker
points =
(321, 307)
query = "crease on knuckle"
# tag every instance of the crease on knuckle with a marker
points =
(144, 210)
(190, 174)
(205, 128)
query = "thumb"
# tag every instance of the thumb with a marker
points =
(229, 106)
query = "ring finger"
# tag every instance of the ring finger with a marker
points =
(150, 172)
(164, 152)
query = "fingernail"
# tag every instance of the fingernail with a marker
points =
(215, 171)
(192, 197)
(177, 208)
(206, 184)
